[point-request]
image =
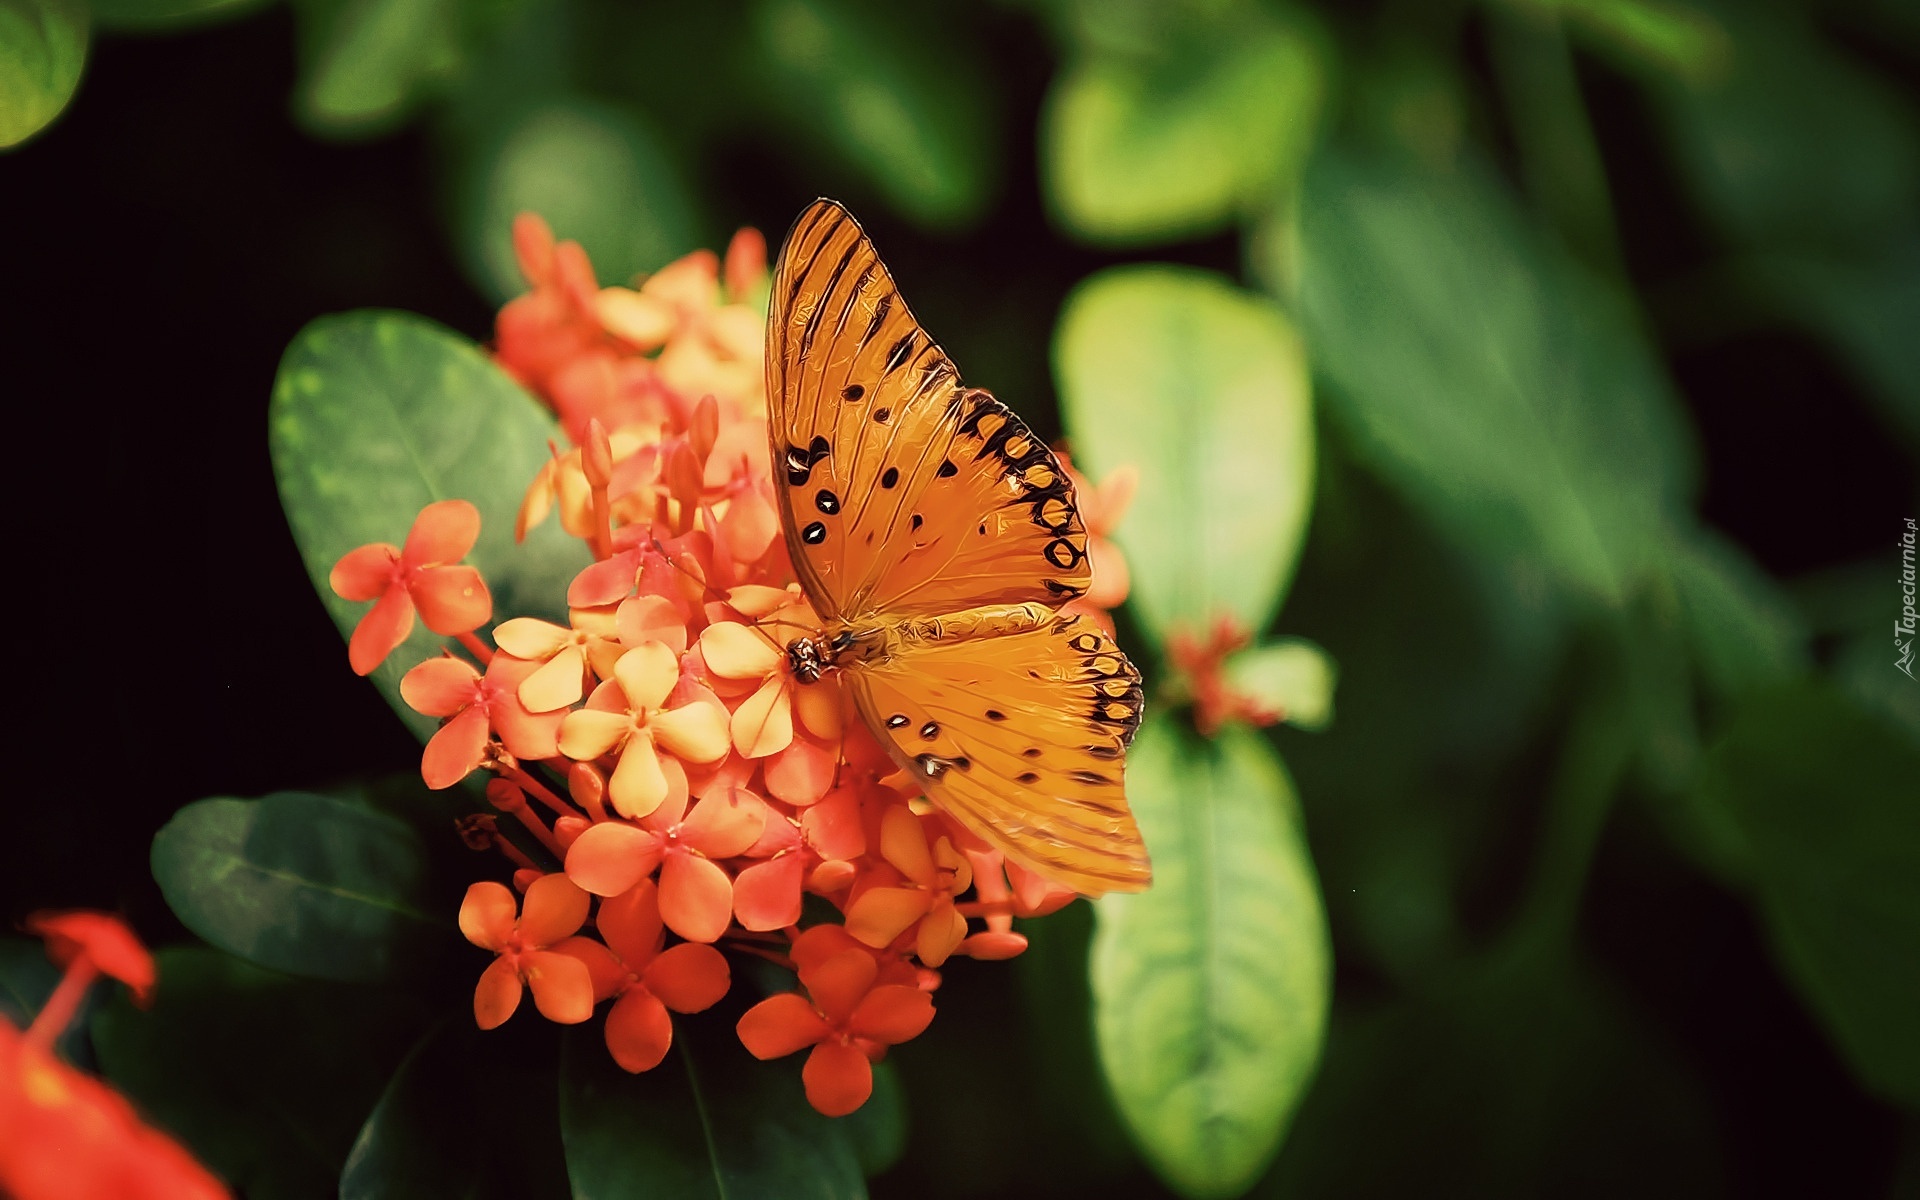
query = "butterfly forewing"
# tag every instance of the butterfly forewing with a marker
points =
(1023, 739)
(903, 492)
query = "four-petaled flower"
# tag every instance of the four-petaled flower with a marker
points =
(554, 910)
(696, 893)
(478, 705)
(645, 980)
(423, 574)
(628, 716)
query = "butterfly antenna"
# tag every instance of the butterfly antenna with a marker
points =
(709, 591)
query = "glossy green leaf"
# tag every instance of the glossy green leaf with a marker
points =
(1291, 676)
(375, 415)
(142, 16)
(1511, 397)
(266, 1078)
(599, 175)
(709, 1122)
(1827, 801)
(43, 46)
(1211, 988)
(1204, 388)
(906, 106)
(301, 883)
(366, 63)
(1183, 139)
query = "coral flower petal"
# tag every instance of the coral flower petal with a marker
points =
(562, 986)
(940, 933)
(757, 600)
(725, 822)
(767, 894)
(630, 923)
(639, 1031)
(451, 599)
(607, 972)
(647, 674)
(385, 626)
(440, 687)
(763, 725)
(497, 994)
(839, 1078)
(638, 785)
(696, 732)
(101, 940)
(696, 897)
(818, 707)
(903, 842)
(487, 913)
(554, 908)
(589, 733)
(556, 684)
(892, 1013)
(839, 981)
(833, 826)
(608, 581)
(364, 572)
(781, 1025)
(611, 858)
(651, 619)
(443, 533)
(882, 914)
(803, 772)
(455, 750)
(993, 945)
(690, 977)
(735, 651)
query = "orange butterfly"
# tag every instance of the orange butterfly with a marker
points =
(936, 537)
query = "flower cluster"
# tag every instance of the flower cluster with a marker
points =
(64, 1133)
(673, 788)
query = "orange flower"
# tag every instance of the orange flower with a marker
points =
(1101, 509)
(920, 897)
(479, 705)
(629, 716)
(1202, 677)
(647, 980)
(86, 943)
(749, 661)
(845, 1017)
(452, 599)
(554, 910)
(696, 893)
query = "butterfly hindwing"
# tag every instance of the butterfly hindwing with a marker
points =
(1022, 738)
(903, 492)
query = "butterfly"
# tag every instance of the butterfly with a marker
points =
(937, 538)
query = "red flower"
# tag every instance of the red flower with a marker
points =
(90, 942)
(554, 910)
(480, 706)
(847, 1020)
(452, 599)
(647, 980)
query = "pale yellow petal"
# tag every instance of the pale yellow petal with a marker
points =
(638, 784)
(557, 684)
(735, 651)
(589, 733)
(646, 673)
(530, 638)
(695, 732)
(763, 725)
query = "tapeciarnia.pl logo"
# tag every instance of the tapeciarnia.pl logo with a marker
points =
(1904, 627)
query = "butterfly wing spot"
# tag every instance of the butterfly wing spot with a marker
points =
(1094, 778)
(881, 309)
(947, 470)
(930, 731)
(814, 534)
(1062, 553)
(917, 522)
(897, 356)
(890, 477)
(880, 416)
(852, 391)
(800, 463)
(1028, 777)
(896, 720)
(994, 714)
(1085, 643)
(1104, 751)
(826, 501)
(1030, 752)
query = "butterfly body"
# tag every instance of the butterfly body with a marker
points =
(937, 539)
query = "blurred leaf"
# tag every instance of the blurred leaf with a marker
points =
(1511, 397)
(877, 1130)
(1743, 631)
(905, 104)
(301, 883)
(709, 1122)
(1204, 388)
(144, 16)
(365, 63)
(265, 1077)
(1675, 38)
(458, 1119)
(1291, 676)
(1211, 988)
(1827, 800)
(1181, 141)
(599, 175)
(27, 978)
(1513, 1077)
(375, 415)
(43, 46)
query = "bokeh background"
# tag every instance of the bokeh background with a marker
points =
(1613, 311)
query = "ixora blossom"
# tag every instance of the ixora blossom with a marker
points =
(64, 1134)
(675, 793)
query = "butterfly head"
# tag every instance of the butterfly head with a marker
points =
(808, 657)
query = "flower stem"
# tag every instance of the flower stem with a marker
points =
(476, 647)
(58, 1011)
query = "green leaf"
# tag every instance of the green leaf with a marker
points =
(1204, 388)
(375, 415)
(1182, 140)
(1827, 801)
(43, 46)
(599, 175)
(1211, 987)
(266, 1078)
(1743, 631)
(366, 63)
(1511, 397)
(709, 1122)
(301, 883)
(877, 1129)
(905, 106)
(27, 978)
(143, 16)
(1291, 676)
